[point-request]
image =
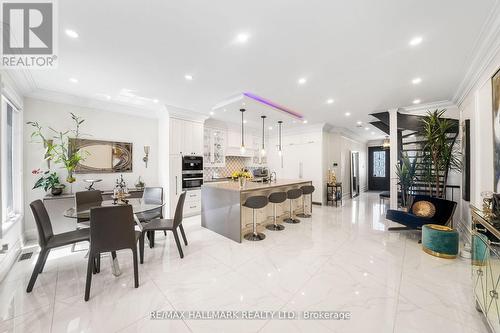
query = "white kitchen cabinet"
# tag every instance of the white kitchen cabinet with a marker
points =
(175, 182)
(186, 137)
(301, 159)
(214, 147)
(192, 204)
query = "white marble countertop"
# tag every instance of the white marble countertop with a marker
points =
(254, 186)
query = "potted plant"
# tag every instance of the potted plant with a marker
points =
(440, 153)
(49, 181)
(59, 150)
(241, 176)
(406, 171)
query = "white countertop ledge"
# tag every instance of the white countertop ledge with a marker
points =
(253, 186)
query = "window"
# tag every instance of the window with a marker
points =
(379, 164)
(11, 163)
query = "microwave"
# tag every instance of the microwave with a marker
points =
(192, 163)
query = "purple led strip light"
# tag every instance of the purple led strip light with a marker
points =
(273, 105)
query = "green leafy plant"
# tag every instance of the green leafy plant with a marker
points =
(439, 149)
(47, 181)
(406, 171)
(58, 149)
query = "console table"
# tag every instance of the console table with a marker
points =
(334, 193)
(486, 266)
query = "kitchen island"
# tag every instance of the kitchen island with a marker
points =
(222, 208)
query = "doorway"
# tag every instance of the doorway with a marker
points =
(378, 169)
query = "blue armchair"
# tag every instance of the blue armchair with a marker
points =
(443, 216)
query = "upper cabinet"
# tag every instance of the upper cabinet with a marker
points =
(186, 137)
(214, 147)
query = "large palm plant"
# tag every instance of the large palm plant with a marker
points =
(439, 149)
(406, 171)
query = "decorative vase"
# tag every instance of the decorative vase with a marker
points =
(70, 179)
(242, 181)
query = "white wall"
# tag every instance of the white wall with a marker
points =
(477, 107)
(339, 151)
(99, 124)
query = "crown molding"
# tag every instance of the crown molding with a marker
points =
(185, 114)
(57, 97)
(428, 106)
(486, 47)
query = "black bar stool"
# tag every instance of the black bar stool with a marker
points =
(292, 195)
(255, 202)
(306, 190)
(276, 198)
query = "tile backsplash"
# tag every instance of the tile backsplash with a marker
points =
(233, 163)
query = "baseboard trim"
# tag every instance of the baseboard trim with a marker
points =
(9, 260)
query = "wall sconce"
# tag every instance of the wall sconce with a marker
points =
(146, 157)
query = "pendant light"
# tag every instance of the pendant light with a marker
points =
(242, 148)
(280, 151)
(387, 143)
(263, 150)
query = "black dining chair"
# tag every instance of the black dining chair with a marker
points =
(111, 230)
(154, 196)
(166, 225)
(85, 200)
(48, 241)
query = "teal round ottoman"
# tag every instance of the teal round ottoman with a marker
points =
(440, 241)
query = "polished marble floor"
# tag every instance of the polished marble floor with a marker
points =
(342, 259)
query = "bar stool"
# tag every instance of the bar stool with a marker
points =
(306, 190)
(276, 198)
(292, 195)
(255, 202)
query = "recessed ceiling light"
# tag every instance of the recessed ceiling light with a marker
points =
(302, 80)
(188, 77)
(244, 121)
(373, 133)
(270, 128)
(224, 110)
(416, 40)
(359, 122)
(212, 113)
(73, 80)
(304, 121)
(416, 80)
(416, 101)
(347, 114)
(71, 33)
(367, 128)
(155, 101)
(242, 38)
(330, 101)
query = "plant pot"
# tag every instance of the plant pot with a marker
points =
(57, 190)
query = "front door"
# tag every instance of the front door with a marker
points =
(378, 169)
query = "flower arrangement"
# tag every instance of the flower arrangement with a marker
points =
(241, 174)
(242, 177)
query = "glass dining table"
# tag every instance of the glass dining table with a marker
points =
(139, 206)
